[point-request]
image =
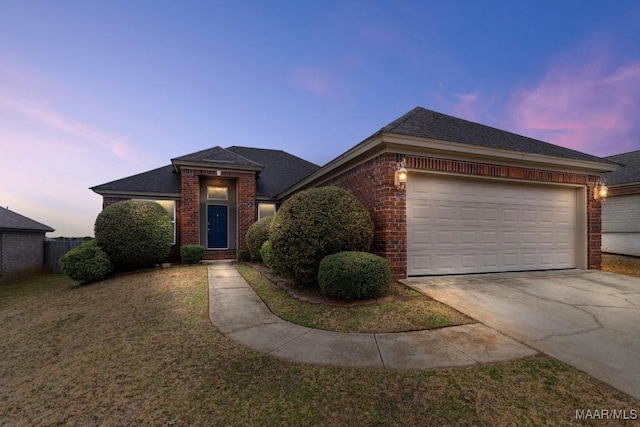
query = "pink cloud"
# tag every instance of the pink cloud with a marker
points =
(587, 109)
(466, 107)
(314, 80)
(58, 121)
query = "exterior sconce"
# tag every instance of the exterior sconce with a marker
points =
(401, 175)
(600, 191)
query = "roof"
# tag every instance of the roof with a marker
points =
(424, 123)
(629, 173)
(10, 220)
(281, 170)
(162, 180)
(277, 169)
(218, 157)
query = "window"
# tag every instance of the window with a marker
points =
(217, 193)
(170, 207)
(266, 209)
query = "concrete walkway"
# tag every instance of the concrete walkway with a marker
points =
(238, 313)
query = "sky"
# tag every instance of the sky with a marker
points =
(94, 91)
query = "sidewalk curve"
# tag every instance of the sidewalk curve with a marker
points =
(238, 313)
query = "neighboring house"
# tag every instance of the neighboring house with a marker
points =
(21, 245)
(621, 211)
(477, 199)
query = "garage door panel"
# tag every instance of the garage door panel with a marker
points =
(464, 226)
(621, 214)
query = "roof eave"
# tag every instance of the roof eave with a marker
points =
(28, 230)
(179, 164)
(409, 145)
(133, 193)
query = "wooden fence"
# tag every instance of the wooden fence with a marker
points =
(53, 251)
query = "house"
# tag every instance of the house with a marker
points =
(477, 199)
(213, 196)
(21, 245)
(621, 210)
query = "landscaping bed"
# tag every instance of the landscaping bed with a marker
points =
(400, 309)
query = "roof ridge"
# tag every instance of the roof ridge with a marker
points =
(623, 154)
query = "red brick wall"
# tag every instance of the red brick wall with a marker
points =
(372, 182)
(623, 191)
(187, 215)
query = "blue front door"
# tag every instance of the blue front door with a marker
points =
(217, 233)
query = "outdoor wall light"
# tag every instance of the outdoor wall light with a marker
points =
(401, 175)
(600, 191)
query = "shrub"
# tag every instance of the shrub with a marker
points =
(86, 263)
(353, 275)
(134, 233)
(244, 255)
(191, 254)
(257, 234)
(313, 224)
(267, 257)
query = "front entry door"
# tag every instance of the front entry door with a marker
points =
(217, 227)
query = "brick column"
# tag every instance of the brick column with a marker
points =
(188, 208)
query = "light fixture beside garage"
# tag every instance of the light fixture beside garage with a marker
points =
(601, 191)
(401, 175)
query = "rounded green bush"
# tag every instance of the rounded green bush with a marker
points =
(313, 224)
(257, 234)
(86, 263)
(191, 254)
(134, 234)
(353, 275)
(267, 258)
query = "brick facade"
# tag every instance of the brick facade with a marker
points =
(372, 182)
(188, 212)
(624, 190)
(21, 254)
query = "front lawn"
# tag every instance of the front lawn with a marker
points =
(139, 349)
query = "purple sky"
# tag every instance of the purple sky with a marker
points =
(96, 91)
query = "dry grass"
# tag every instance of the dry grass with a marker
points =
(416, 312)
(140, 350)
(621, 264)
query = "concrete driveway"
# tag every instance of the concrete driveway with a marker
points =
(588, 319)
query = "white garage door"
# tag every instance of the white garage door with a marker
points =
(621, 214)
(457, 225)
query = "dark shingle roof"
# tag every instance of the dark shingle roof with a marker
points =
(10, 220)
(281, 169)
(629, 173)
(218, 156)
(277, 171)
(424, 123)
(163, 180)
